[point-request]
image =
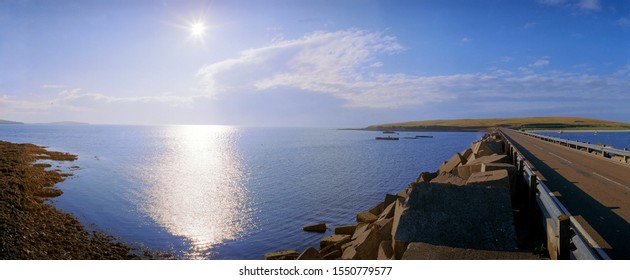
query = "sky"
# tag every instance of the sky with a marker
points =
(312, 63)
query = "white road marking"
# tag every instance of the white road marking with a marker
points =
(537, 146)
(610, 180)
(560, 157)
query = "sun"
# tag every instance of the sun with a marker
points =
(197, 29)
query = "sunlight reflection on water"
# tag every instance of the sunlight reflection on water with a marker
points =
(196, 188)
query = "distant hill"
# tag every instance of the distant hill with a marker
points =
(66, 123)
(9, 122)
(534, 123)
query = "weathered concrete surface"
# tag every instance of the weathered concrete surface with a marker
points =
(349, 229)
(448, 179)
(376, 210)
(476, 217)
(490, 159)
(425, 251)
(335, 239)
(485, 167)
(452, 163)
(426, 177)
(464, 171)
(385, 250)
(496, 178)
(364, 247)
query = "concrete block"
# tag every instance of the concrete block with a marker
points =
(426, 177)
(390, 198)
(366, 217)
(448, 179)
(282, 255)
(476, 217)
(464, 171)
(385, 250)
(310, 254)
(335, 239)
(376, 210)
(467, 153)
(334, 255)
(425, 251)
(452, 163)
(496, 158)
(349, 229)
(364, 247)
(496, 178)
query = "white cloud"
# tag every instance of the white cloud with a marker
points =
(624, 21)
(465, 40)
(582, 5)
(341, 64)
(53, 86)
(540, 63)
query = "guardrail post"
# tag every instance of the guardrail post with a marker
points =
(564, 237)
(515, 159)
(625, 158)
(532, 191)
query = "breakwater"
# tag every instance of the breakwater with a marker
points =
(463, 210)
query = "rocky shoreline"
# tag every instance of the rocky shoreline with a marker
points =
(462, 211)
(33, 229)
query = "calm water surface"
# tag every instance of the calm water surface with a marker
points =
(619, 140)
(221, 192)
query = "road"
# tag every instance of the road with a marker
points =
(595, 190)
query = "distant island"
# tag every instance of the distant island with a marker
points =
(9, 122)
(65, 123)
(533, 123)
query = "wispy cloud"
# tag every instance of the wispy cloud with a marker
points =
(53, 86)
(342, 63)
(581, 5)
(465, 40)
(529, 25)
(624, 22)
(540, 62)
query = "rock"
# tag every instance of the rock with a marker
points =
(384, 228)
(376, 210)
(385, 250)
(349, 229)
(469, 217)
(315, 228)
(485, 167)
(448, 179)
(366, 217)
(400, 247)
(497, 178)
(452, 163)
(282, 255)
(335, 239)
(490, 159)
(310, 254)
(464, 171)
(426, 177)
(403, 193)
(487, 147)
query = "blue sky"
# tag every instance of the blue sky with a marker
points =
(312, 63)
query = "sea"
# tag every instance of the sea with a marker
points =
(617, 140)
(228, 192)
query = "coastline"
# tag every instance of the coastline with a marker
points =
(30, 228)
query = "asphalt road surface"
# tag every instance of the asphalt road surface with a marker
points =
(595, 190)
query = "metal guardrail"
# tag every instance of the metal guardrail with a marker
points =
(577, 145)
(566, 238)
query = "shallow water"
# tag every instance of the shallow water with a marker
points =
(221, 192)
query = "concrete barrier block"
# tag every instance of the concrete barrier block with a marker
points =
(465, 171)
(496, 158)
(469, 217)
(310, 254)
(448, 179)
(349, 229)
(452, 163)
(496, 178)
(335, 239)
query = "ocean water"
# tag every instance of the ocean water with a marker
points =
(221, 192)
(618, 140)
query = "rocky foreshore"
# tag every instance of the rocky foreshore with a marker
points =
(33, 229)
(461, 211)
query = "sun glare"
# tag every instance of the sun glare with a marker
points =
(197, 29)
